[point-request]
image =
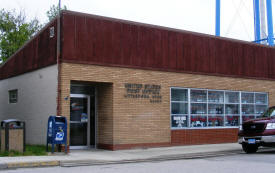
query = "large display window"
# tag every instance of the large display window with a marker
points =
(206, 108)
(179, 108)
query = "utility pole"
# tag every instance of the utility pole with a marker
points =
(59, 7)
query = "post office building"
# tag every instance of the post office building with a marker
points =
(123, 84)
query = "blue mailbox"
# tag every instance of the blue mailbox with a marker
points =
(57, 131)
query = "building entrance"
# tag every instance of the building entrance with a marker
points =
(82, 121)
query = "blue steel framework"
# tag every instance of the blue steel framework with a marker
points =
(270, 37)
(257, 21)
(218, 17)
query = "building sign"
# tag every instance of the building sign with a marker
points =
(143, 91)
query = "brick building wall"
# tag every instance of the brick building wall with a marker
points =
(137, 122)
(105, 110)
(203, 136)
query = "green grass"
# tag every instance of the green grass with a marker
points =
(31, 150)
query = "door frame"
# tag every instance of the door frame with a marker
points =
(87, 146)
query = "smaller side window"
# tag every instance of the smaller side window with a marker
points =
(13, 96)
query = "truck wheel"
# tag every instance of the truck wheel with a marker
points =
(250, 148)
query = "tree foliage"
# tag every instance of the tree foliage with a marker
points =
(54, 10)
(15, 30)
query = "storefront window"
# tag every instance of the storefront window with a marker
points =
(261, 103)
(248, 117)
(247, 109)
(232, 97)
(179, 121)
(215, 109)
(232, 120)
(179, 95)
(200, 108)
(260, 109)
(232, 109)
(215, 96)
(260, 98)
(247, 97)
(198, 121)
(179, 108)
(198, 95)
(215, 120)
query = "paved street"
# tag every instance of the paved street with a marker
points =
(252, 163)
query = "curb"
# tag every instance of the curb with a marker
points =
(3, 166)
(152, 159)
(75, 163)
(29, 164)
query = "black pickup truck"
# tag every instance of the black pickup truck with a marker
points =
(258, 132)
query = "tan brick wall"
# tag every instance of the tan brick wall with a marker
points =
(137, 121)
(105, 113)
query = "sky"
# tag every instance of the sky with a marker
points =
(191, 15)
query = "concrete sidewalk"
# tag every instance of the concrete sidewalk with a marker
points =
(96, 156)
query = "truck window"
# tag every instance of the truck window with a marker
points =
(269, 113)
(272, 114)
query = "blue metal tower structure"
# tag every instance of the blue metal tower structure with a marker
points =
(257, 21)
(270, 37)
(257, 25)
(218, 17)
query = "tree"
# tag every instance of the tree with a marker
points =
(15, 30)
(54, 10)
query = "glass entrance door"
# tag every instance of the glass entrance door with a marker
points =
(79, 121)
